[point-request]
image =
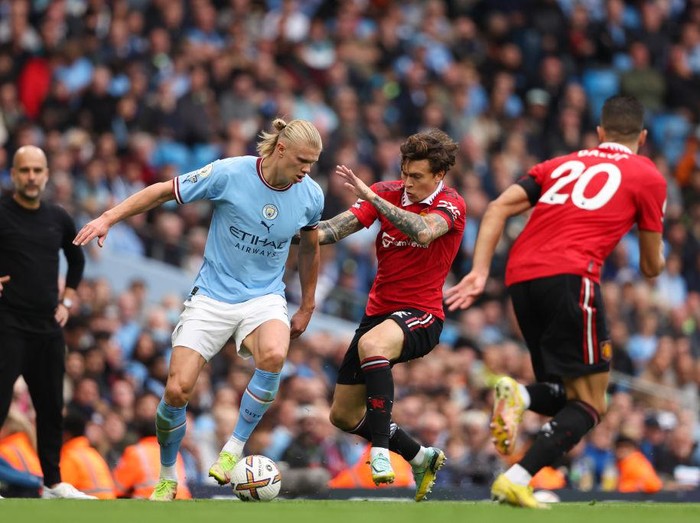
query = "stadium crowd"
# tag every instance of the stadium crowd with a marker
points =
(124, 93)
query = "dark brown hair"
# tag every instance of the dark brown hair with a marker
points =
(622, 118)
(432, 145)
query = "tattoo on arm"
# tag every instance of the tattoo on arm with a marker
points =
(338, 227)
(421, 229)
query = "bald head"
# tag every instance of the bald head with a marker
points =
(29, 153)
(30, 172)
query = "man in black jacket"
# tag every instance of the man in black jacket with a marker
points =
(32, 233)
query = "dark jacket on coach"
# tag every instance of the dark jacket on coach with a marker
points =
(30, 241)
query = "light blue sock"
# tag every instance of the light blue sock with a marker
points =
(257, 398)
(171, 424)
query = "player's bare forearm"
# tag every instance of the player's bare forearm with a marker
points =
(422, 230)
(309, 259)
(651, 249)
(511, 202)
(490, 232)
(338, 227)
(148, 198)
(144, 200)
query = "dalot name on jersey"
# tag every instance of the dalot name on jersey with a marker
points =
(596, 153)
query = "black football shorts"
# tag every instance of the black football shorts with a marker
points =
(421, 333)
(562, 319)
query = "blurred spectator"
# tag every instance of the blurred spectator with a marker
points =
(18, 443)
(643, 81)
(636, 472)
(81, 465)
(678, 463)
(473, 460)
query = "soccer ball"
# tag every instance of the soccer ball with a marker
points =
(256, 478)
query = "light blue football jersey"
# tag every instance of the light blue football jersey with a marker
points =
(251, 227)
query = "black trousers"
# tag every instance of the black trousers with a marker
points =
(40, 359)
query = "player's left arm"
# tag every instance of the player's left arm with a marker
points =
(651, 253)
(75, 258)
(309, 260)
(421, 229)
(651, 207)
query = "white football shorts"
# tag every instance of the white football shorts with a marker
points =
(207, 324)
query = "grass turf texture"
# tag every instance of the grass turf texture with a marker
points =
(301, 511)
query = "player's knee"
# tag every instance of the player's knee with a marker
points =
(271, 360)
(370, 346)
(177, 394)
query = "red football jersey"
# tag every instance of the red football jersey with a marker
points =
(589, 200)
(409, 274)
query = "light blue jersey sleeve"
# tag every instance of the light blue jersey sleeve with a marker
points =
(206, 183)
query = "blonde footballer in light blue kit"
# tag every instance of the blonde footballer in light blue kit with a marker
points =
(259, 204)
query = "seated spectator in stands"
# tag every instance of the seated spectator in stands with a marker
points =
(86, 398)
(636, 474)
(313, 456)
(643, 81)
(479, 464)
(317, 444)
(642, 345)
(659, 372)
(653, 439)
(678, 463)
(81, 465)
(671, 287)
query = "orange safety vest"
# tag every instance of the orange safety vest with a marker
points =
(548, 478)
(637, 474)
(138, 471)
(18, 451)
(360, 476)
(84, 468)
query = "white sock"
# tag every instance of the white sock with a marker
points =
(234, 446)
(168, 472)
(419, 458)
(525, 395)
(376, 451)
(518, 475)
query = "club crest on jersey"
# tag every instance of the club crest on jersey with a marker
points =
(606, 350)
(199, 174)
(270, 212)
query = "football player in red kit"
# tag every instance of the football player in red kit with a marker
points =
(583, 204)
(422, 222)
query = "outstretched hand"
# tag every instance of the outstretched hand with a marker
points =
(353, 183)
(466, 292)
(97, 228)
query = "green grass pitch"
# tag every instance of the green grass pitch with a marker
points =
(307, 511)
